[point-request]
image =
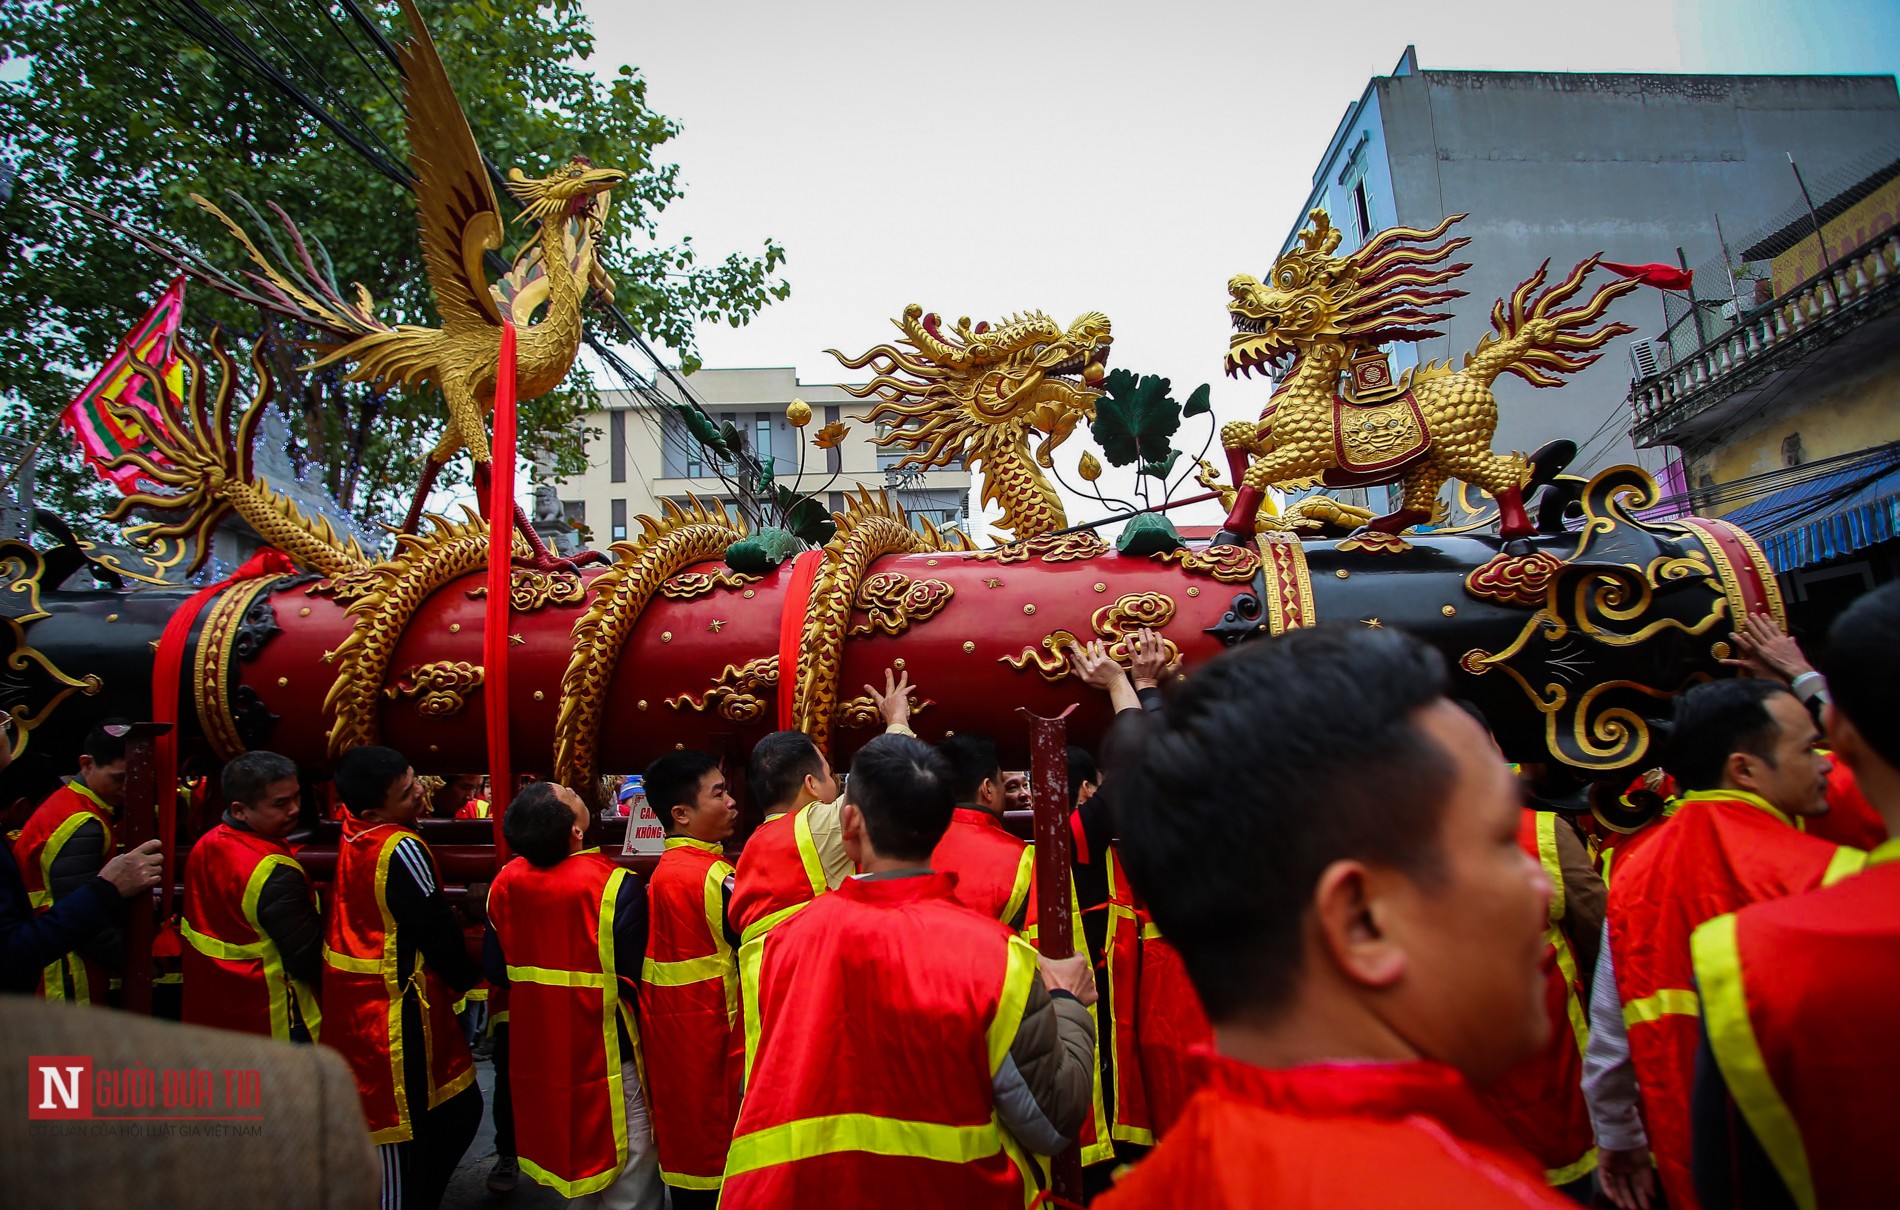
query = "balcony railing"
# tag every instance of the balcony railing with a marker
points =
(1852, 290)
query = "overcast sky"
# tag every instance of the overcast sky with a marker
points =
(984, 157)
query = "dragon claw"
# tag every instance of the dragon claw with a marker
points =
(548, 563)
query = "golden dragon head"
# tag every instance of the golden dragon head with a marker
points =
(565, 192)
(973, 389)
(1384, 291)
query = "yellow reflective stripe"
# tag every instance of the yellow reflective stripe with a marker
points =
(1845, 863)
(556, 977)
(1670, 1001)
(569, 1189)
(63, 832)
(757, 930)
(679, 1180)
(1718, 965)
(685, 971)
(1019, 890)
(751, 957)
(808, 852)
(211, 947)
(1744, 796)
(610, 1005)
(1572, 1172)
(1574, 1006)
(1149, 931)
(1609, 855)
(356, 966)
(1553, 864)
(1019, 971)
(278, 985)
(809, 1138)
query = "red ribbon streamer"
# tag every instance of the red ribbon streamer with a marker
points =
(1663, 277)
(166, 670)
(791, 629)
(501, 540)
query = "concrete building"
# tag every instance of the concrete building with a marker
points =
(639, 453)
(1784, 398)
(1560, 166)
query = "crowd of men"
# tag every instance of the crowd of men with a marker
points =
(1334, 951)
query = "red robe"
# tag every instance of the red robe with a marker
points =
(555, 926)
(1722, 850)
(1850, 820)
(1541, 1098)
(995, 875)
(234, 974)
(868, 1090)
(74, 977)
(689, 1000)
(1798, 997)
(1330, 1136)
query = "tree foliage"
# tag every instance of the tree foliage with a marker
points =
(123, 105)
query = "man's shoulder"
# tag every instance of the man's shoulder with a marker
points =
(1865, 906)
(1234, 1155)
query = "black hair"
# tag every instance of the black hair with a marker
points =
(673, 780)
(1335, 767)
(537, 824)
(363, 777)
(901, 787)
(971, 758)
(102, 745)
(1863, 669)
(1714, 721)
(779, 765)
(1081, 768)
(247, 775)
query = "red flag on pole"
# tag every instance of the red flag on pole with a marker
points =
(1663, 277)
(102, 436)
(501, 547)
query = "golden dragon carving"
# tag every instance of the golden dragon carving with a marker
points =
(462, 222)
(979, 394)
(392, 592)
(207, 461)
(669, 545)
(1316, 312)
(869, 528)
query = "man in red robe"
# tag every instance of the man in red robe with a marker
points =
(905, 1051)
(1744, 753)
(689, 980)
(64, 846)
(253, 938)
(394, 961)
(566, 935)
(1359, 920)
(1794, 1101)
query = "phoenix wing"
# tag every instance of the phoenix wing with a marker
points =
(455, 200)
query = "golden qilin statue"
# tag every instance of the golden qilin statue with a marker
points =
(978, 394)
(1318, 317)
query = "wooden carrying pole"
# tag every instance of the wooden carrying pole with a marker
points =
(1055, 932)
(138, 824)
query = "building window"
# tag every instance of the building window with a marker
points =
(762, 437)
(1791, 454)
(617, 446)
(619, 530)
(1361, 211)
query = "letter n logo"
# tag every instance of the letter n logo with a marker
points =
(59, 1087)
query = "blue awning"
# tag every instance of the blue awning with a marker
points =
(1828, 517)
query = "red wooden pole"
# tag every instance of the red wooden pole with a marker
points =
(138, 824)
(1055, 933)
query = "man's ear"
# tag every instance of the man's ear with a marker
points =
(681, 813)
(1843, 737)
(1740, 771)
(1350, 904)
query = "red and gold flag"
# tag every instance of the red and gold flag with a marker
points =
(102, 436)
